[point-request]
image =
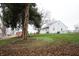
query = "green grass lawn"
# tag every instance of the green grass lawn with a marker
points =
(7, 41)
(70, 37)
(56, 39)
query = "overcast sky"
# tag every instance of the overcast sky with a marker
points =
(65, 10)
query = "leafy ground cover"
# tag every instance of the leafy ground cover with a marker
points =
(42, 44)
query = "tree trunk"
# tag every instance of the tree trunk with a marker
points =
(25, 22)
(3, 30)
(38, 30)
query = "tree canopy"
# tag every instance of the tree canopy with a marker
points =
(13, 14)
(20, 15)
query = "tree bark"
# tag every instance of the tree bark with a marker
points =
(4, 30)
(38, 30)
(25, 22)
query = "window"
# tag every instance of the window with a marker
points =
(76, 27)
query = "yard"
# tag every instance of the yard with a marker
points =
(42, 44)
(69, 38)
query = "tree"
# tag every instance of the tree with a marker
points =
(35, 18)
(21, 14)
(3, 28)
(25, 23)
(45, 16)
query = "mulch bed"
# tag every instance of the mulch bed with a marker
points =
(17, 50)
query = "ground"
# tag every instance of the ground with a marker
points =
(42, 44)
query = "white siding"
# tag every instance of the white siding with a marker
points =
(55, 27)
(43, 31)
(77, 28)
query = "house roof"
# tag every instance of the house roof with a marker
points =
(51, 23)
(47, 24)
(44, 26)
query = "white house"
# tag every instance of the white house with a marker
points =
(54, 27)
(76, 28)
